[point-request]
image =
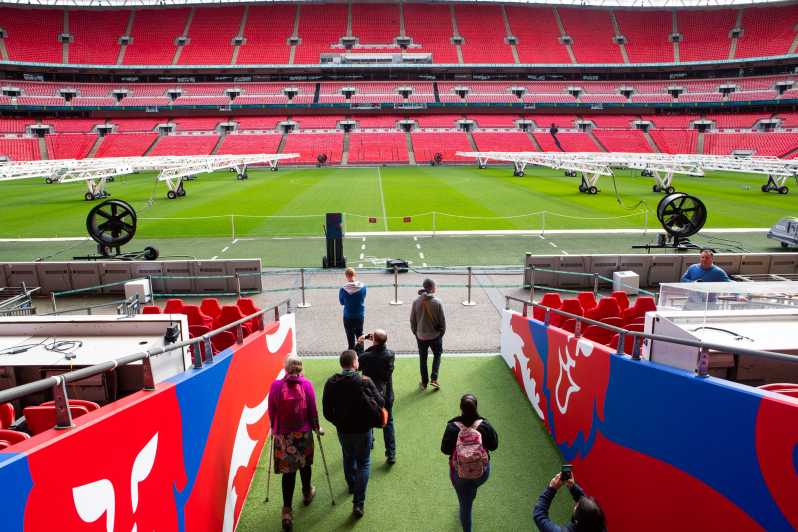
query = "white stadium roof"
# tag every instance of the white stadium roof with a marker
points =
(577, 3)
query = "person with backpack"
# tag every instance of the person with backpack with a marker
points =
(587, 515)
(354, 405)
(352, 297)
(428, 324)
(468, 440)
(293, 418)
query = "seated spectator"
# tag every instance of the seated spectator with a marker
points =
(293, 415)
(459, 442)
(705, 271)
(586, 516)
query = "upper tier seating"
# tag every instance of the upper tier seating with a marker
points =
(374, 24)
(482, 29)
(705, 34)
(266, 32)
(431, 27)
(592, 35)
(646, 34)
(154, 34)
(537, 34)
(22, 45)
(767, 31)
(319, 31)
(96, 35)
(210, 36)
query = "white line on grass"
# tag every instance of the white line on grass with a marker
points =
(362, 255)
(552, 244)
(224, 249)
(382, 199)
(363, 246)
(215, 257)
(421, 255)
(564, 252)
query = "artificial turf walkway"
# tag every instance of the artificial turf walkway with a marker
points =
(416, 494)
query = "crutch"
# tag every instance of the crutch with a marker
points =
(326, 471)
(270, 445)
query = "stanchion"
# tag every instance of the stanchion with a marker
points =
(595, 284)
(532, 283)
(238, 285)
(468, 302)
(303, 304)
(395, 287)
(52, 300)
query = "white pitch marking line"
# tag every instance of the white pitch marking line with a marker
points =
(542, 237)
(552, 244)
(564, 252)
(382, 199)
(418, 246)
(215, 257)
(224, 250)
(423, 264)
(362, 255)
(364, 239)
(235, 241)
(415, 238)
(360, 265)
(363, 246)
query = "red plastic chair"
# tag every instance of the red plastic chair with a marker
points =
(210, 306)
(569, 325)
(637, 326)
(628, 343)
(173, 306)
(150, 309)
(247, 306)
(638, 311)
(91, 406)
(13, 436)
(571, 306)
(196, 316)
(195, 331)
(607, 307)
(598, 334)
(615, 322)
(229, 314)
(7, 415)
(222, 341)
(549, 299)
(42, 418)
(587, 299)
(622, 299)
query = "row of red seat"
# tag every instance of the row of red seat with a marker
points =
(37, 419)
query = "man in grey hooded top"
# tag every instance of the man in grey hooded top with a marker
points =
(428, 325)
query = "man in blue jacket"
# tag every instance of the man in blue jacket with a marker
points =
(353, 296)
(705, 271)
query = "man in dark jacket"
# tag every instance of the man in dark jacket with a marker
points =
(428, 325)
(344, 405)
(586, 517)
(377, 363)
(352, 297)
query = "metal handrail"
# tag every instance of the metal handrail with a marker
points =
(703, 347)
(58, 382)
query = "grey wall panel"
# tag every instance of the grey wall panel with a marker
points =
(730, 263)
(603, 265)
(178, 277)
(53, 277)
(249, 274)
(640, 264)
(84, 274)
(664, 269)
(541, 278)
(755, 263)
(22, 272)
(115, 272)
(210, 276)
(152, 270)
(577, 264)
(786, 263)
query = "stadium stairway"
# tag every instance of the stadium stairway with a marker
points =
(45, 155)
(152, 146)
(472, 141)
(699, 145)
(534, 141)
(128, 30)
(240, 34)
(651, 142)
(222, 135)
(184, 35)
(95, 147)
(509, 33)
(281, 146)
(617, 29)
(411, 154)
(345, 153)
(597, 142)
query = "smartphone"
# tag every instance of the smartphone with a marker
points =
(565, 473)
(369, 337)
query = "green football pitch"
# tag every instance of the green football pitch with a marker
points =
(289, 206)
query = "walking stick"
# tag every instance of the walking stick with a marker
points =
(270, 445)
(326, 471)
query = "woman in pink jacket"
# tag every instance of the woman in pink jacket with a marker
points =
(293, 418)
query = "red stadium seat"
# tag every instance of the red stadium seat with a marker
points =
(196, 316)
(638, 311)
(173, 306)
(628, 343)
(571, 306)
(13, 436)
(622, 299)
(637, 326)
(210, 307)
(549, 299)
(7, 416)
(569, 325)
(247, 306)
(222, 341)
(42, 418)
(230, 314)
(598, 334)
(89, 405)
(612, 320)
(588, 300)
(607, 307)
(195, 331)
(150, 309)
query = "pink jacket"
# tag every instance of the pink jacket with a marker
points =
(311, 419)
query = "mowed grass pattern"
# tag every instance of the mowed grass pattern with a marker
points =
(292, 202)
(416, 494)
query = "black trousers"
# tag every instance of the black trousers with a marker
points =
(423, 350)
(289, 483)
(353, 328)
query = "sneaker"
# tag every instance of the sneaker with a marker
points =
(435, 385)
(307, 498)
(390, 460)
(422, 385)
(357, 511)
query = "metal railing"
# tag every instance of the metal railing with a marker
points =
(702, 358)
(127, 307)
(202, 355)
(17, 300)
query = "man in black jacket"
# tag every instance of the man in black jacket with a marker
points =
(344, 405)
(377, 363)
(586, 517)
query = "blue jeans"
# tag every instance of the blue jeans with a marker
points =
(466, 493)
(353, 327)
(423, 350)
(356, 449)
(389, 434)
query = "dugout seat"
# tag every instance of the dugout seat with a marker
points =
(637, 312)
(222, 341)
(150, 309)
(549, 299)
(13, 436)
(210, 306)
(173, 306)
(89, 405)
(569, 325)
(622, 299)
(628, 343)
(247, 306)
(598, 334)
(587, 299)
(42, 418)
(7, 415)
(571, 306)
(607, 307)
(196, 316)
(230, 314)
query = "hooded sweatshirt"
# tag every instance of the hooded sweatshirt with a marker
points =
(352, 296)
(426, 317)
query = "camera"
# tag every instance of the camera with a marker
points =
(369, 337)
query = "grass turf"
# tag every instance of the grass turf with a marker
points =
(416, 493)
(292, 202)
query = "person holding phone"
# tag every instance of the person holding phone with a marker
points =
(377, 363)
(586, 516)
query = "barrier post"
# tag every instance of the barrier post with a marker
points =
(595, 284)
(395, 287)
(238, 285)
(527, 256)
(532, 283)
(703, 363)
(233, 225)
(645, 230)
(63, 416)
(547, 316)
(636, 348)
(303, 304)
(468, 302)
(52, 300)
(578, 328)
(620, 349)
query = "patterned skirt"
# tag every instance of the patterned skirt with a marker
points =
(292, 451)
